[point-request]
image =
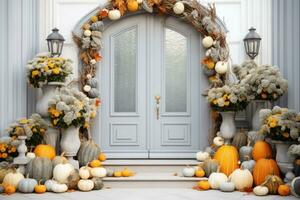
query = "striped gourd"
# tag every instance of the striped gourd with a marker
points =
(88, 151)
(40, 168)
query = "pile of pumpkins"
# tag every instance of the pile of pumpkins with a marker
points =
(240, 166)
(56, 174)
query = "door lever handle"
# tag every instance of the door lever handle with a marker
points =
(157, 98)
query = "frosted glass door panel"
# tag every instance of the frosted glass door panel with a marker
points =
(175, 65)
(125, 61)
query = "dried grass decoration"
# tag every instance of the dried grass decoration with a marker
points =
(202, 18)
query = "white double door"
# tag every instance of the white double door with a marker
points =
(150, 88)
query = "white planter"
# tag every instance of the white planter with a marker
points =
(259, 104)
(51, 136)
(48, 93)
(70, 144)
(284, 162)
(227, 129)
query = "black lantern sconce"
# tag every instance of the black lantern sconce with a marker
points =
(252, 43)
(55, 43)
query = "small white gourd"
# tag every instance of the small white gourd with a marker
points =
(221, 67)
(218, 141)
(30, 155)
(207, 41)
(114, 14)
(188, 172)
(99, 172)
(178, 8)
(49, 184)
(202, 155)
(85, 185)
(87, 33)
(260, 190)
(84, 172)
(227, 187)
(87, 88)
(215, 179)
(59, 188)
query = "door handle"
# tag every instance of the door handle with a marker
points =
(157, 98)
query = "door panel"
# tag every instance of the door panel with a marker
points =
(123, 88)
(176, 132)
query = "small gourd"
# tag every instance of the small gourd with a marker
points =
(40, 189)
(242, 178)
(98, 183)
(87, 33)
(59, 160)
(30, 155)
(61, 172)
(284, 190)
(202, 155)
(199, 172)
(260, 190)
(13, 178)
(109, 172)
(93, 82)
(87, 88)
(118, 174)
(95, 163)
(126, 172)
(295, 187)
(99, 172)
(221, 67)
(93, 93)
(227, 187)
(204, 185)
(272, 182)
(249, 164)
(245, 152)
(216, 178)
(49, 184)
(218, 141)
(9, 189)
(207, 42)
(84, 172)
(59, 188)
(85, 185)
(27, 185)
(188, 171)
(101, 157)
(132, 5)
(114, 14)
(178, 8)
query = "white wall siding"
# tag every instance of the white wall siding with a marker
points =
(286, 43)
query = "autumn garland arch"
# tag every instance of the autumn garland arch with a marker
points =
(87, 35)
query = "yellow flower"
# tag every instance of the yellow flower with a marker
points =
(4, 155)
(54, 112)
(46, 68)
(56, 70)
(23, 121)
(286, 134)
(212, 78)
(215, 101)
(13, 149)
(3, 149)
(34, 73)
(34, 130)
(86, 125)
(273, 124)
(78, 114)
(226, 103)
(55, 121)
(93, 114)
(51, 65)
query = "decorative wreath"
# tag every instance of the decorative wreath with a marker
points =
(215, 62)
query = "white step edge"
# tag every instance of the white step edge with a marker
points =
(155, 177)
(150, 162)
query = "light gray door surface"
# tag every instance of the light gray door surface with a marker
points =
(150, 88)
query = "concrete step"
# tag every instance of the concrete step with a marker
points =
(150, 166)
(152, 180)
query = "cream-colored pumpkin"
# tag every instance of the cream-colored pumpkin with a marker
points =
(221, 67)
(188, 171)
(114, 14)
(49, 184)
(202, 155)
(207, 41)
(139, 1)
(215, 179)
(85, 185)
(87, 33)
(61, 172)
(218, 141)
(178, 8)
(30, 155)
(242, 178)
(59, 188)
(84, 172)
(13, 178)
(260, 190)
(99, 172)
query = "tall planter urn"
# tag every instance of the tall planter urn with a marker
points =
(284, 162)
(70, 144)
(228, 128)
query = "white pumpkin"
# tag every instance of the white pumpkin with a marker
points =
(215, 179)
(61, 172)
(85, 185)
(139, 1)
(221, 67)
(260, 190)
(13, 178)
(49, 184)
(207, 41)
(188, 171)
(99, 172)
(227, 187)
(84, 172)
(114, 14)
(218, 141)
(87, 33)
(30, 155)
(202, 155)
(242, 178)
(178, 8)
(59, 188)
(87, 88)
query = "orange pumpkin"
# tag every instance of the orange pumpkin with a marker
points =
(132, 5)
(284, 190)
(9, 189)
(95, 163)
(228, 157)
(40, 189)
(263, 168)
(261, 149)
(44, 151)
(101, 157)
(203, 185)
(199, 173)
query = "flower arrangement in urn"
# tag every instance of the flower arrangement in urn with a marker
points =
(70, 107)
(33, 128)
(265, 81)
(228, 98)
(280, 124)
(44, 69)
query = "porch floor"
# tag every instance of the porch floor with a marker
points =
(144, 194)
